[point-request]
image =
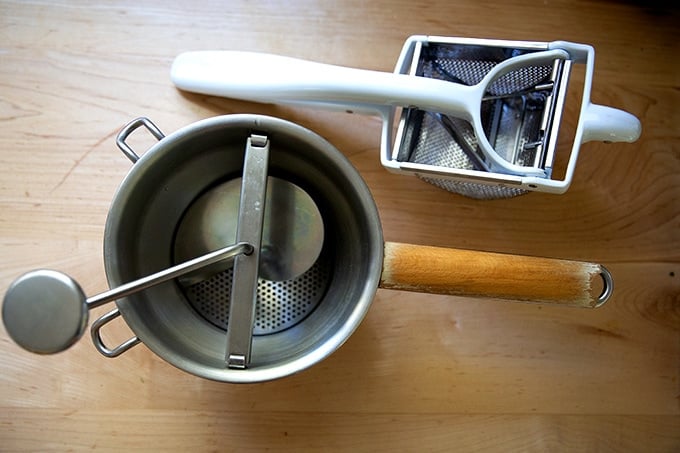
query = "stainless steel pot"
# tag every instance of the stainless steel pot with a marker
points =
(161, 187)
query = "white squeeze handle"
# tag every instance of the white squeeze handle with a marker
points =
(272, 78)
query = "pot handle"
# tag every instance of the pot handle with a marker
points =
(131, 127)
(99, 343)
(470, 273)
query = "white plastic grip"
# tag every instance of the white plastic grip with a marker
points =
(273, 78)
(607, 124)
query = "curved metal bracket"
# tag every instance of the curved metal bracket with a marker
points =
(608, 288)
(99, 343)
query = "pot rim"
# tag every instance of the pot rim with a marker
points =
(315, 142)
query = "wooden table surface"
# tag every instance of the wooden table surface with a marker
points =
(422, 372)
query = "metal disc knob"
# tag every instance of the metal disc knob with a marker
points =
(44, 311)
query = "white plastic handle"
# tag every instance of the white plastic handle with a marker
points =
(607, 124)
(272, 78)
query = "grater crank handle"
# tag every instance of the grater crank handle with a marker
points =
(470, 273)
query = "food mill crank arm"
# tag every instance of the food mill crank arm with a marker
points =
(46, 311)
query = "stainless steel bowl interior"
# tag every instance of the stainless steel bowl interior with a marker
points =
(162, 185)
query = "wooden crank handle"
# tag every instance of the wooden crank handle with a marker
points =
(470, 273)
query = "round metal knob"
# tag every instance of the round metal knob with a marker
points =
(44, 311)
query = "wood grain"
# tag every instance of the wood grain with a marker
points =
(224, 430)
(471, 273)
(422, 372)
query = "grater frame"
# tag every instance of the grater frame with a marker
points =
(609, 125)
